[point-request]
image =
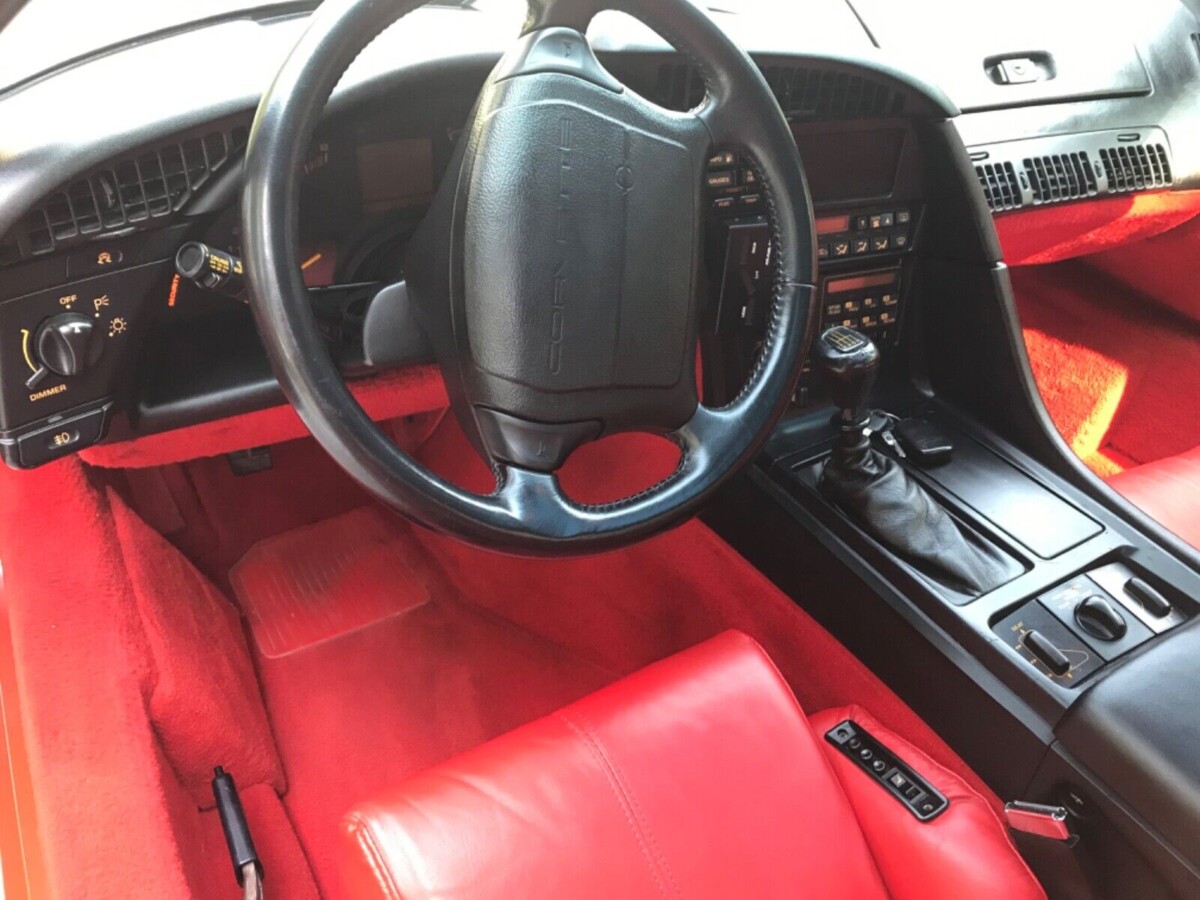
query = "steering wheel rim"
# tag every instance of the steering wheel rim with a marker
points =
(528, 512)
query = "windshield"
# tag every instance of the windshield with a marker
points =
(47, 33)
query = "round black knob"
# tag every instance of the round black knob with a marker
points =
(67, 344)
(849, 361)
(1098, 618)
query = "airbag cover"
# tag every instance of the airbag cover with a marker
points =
(579, 250)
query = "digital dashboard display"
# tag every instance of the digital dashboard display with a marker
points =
(861, 282)
(395, 174)
(832, 224)
(850, 165)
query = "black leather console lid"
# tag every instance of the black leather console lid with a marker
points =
(1138, 730)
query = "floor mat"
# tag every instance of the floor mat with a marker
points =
(1120, 375)
(318, 582)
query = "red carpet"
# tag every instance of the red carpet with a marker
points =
(129, 669)
(1120, 373)
(134, 680)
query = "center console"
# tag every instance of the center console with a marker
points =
(1078, 599)
(868, 197)
(1057, 678)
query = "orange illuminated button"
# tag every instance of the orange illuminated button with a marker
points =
(94, 260)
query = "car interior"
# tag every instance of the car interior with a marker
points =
(584, 449)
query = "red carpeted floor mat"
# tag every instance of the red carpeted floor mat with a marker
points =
(294, 597)
(1119, 373)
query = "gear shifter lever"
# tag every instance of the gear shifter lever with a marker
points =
(880, 495)
(850, 362)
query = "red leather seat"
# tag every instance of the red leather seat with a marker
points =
(698, 776)
(1169, 492)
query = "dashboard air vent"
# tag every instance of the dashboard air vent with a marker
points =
(1135, 167)
(804, 93)
(1062, 176)
(1000, 188)
(1060, 168)
(126, 193)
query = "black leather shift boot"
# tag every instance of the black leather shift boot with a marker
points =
(899, 513)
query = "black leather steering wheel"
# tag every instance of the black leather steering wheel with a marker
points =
(556, 274)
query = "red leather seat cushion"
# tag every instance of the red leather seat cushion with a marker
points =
(698, 776)
(1168, 490)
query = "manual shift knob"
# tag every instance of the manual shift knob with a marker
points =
(850, 362)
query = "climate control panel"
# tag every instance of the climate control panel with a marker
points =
(866, 233)
(868, 302)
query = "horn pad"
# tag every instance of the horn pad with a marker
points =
(579, 248)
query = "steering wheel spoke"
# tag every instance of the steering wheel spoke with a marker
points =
(575, 14)
(721, 119)
(536, 499)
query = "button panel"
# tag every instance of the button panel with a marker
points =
(746, 284)
(1047, 629)
(733, 186)
(1115, 579)
(61, 436)
(919, 797)
(1064, 600)
(734, 190)
(864, 234)
(868, 302)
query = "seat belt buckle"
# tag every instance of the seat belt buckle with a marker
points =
(1038, 819)
(247, 867)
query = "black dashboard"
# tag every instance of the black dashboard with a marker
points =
(101, 339)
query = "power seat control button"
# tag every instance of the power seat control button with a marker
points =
(62, 437)
(878, 762)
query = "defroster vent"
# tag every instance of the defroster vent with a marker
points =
(805, 93)
(1135, 167)
(129, 192)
